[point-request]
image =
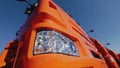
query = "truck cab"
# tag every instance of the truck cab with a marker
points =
(50, 38)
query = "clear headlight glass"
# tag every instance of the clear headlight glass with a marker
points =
(49, 41)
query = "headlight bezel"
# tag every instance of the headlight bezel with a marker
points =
(73, 44)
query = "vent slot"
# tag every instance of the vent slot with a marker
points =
(96, 55)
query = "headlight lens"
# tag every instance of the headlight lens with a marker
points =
(49, 41)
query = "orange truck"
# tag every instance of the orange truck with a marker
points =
(50, 38)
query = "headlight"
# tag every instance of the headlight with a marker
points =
(49, 41)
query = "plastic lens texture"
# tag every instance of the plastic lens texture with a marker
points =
(53, 42)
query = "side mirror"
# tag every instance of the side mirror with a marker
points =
(31, 7)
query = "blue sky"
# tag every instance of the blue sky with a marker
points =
(101, 15)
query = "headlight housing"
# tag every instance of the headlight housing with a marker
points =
(49, 41)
